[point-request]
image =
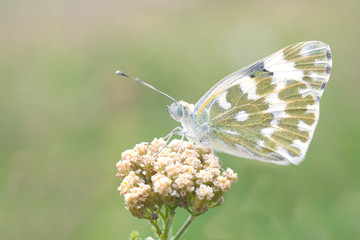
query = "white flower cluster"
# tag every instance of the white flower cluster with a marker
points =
(189, 178)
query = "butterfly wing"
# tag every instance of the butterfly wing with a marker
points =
(269, 110)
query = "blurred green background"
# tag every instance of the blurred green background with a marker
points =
(66, 117)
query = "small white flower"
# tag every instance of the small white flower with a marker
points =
(204, 192)
(191, 179)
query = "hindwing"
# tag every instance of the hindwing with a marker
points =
(269, 110)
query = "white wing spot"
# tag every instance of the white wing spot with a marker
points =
(241, 116)
(304, 127)
(305, 91)
(276, 105)
(248, 85)
(311, 109)
(278, 110)
(317, 77)
(268, 131)
(274, 122)
(280, 83)
(320, 62)
(299, 144)
(282, 68)
(231, 132)
(223, 102)
(259, 144)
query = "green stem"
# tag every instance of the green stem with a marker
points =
(156, 227)
(184, 227)
(169, 214)
(160, 212)
(166, 212)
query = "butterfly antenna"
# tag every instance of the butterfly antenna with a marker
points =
(144, 83)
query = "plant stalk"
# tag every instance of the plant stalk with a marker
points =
(184, 227)
(156, 227)
(169, 214)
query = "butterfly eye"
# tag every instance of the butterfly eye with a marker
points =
(175, 110)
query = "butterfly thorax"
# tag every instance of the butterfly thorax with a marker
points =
(183, 112)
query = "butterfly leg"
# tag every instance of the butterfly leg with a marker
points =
(217, 160)
(173, 132)
(178, 152)
(168, 137)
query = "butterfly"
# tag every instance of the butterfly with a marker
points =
(267, 111)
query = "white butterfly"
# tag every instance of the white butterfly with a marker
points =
(267, 111)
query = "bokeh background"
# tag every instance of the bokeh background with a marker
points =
(66, 117)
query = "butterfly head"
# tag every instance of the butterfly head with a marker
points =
(178, 110)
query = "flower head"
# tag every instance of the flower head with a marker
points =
(189, 178)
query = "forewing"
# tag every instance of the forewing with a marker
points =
(269, 110)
